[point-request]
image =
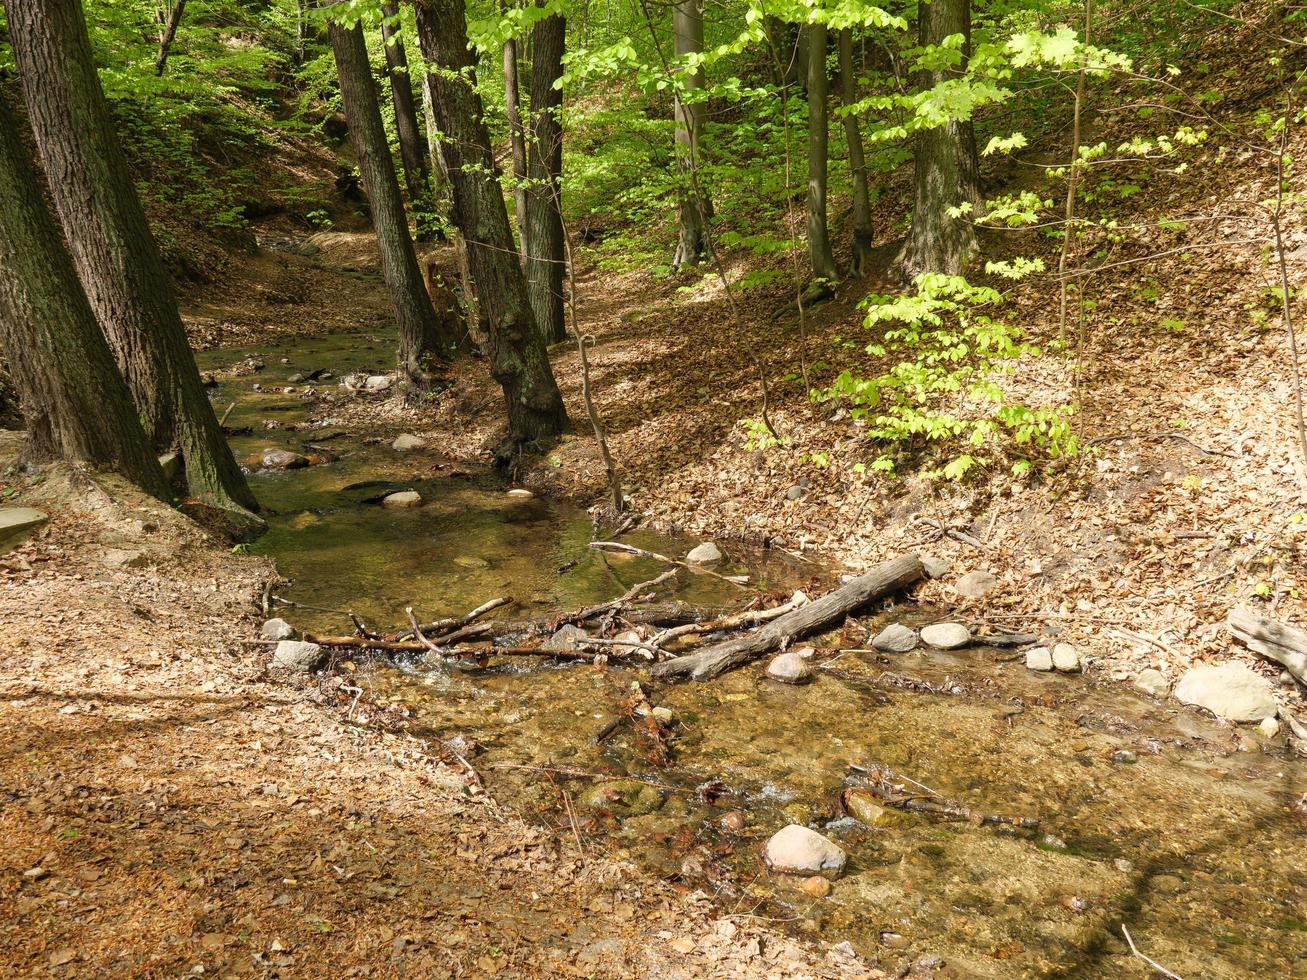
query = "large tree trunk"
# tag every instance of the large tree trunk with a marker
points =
(412, 146)
(115, 255)
(862, 233)
(76, 404)
(819, 250)
(544, 224)
(947, 169)
(423, 339)
(518, 360)
(692, 245)
(516, 138)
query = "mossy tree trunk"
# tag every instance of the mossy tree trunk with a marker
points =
(545, 259)
(862, 232)
(819, 249)
(412, 144)
(516, 138)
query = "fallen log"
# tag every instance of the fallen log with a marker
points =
(886, 578)
(1274, 641)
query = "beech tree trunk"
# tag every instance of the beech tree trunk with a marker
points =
(516, 139)
(412, 145)
(819, 250)
(862, 233)
(115, 255)
(545, 259)
(687, 25)
(423, 339)
(75, 402)
(167, 34)
(947, 172)
(518, 360)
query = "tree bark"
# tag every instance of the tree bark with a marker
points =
(76, 404)
(886, 578)
(167, 34)
(862, 233)
(423, 340)
(819, 249)
(687, 25)
(545, 259)
(115, 255)
(516, 139)
(947, 172)
(518, 360)
(412, 145)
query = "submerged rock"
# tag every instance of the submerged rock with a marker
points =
(895, 638)
(1151, 681)
(975, 585)
(403, 499)
(1066, 658)
(789, 668)
(624, 798)
(406, 442)
(277, 629)
(946, 636)
(797, 850)
(1039, 658)
(863, 806)
(704, 554)
(1230, 691)
(296, 655)
(283, 459)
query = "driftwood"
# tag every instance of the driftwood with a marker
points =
(442, 627)
(884, 579)
(1274, 641)
(749, 617)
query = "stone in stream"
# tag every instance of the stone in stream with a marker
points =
(276, 629)
(407, 441)
(624, 798)
(1230, 691)
(1039, 658)
(895, 638)
(975, 585)
(283, 459)
(520, 493)
(16, 520)
(789, 668)
(567, 637)
(704, 554)
(298, 656)
(1269, 727)
(1066, 658)
(1151, 681)
(946, 636)
(797, 850)
(402, 500)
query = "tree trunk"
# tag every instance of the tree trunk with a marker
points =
(76, 404)
(167, 34)
(517, 354)
(421, 340)
(862, 233)
(687, 23)
(947, 168)
(545, 260)
(516, 139)
(412, 147)
(113, 251)
(819, 250)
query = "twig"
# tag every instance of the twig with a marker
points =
(651, 652)
(582, 774)
(955, 535)
(443, 626)
(589, 612)
(1145, 638)
(417, 630)
(571, 818)
(632, 550)
(750, 617)
(223, 421)
(1147, 959)
(1287, 297)
(361, 626)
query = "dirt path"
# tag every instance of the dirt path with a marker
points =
(170, 809)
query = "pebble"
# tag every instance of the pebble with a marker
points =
(816, 886)
(276, 629)
(1151, 681)
(734, 822)
(975, 585)
(664, 714)
(895, 638)
(1124, 757)
(946, 636)
(295, 655)
(402, 499)
(1066, 658)
(789, 668)
(794, 493)
(284, 459)
(1269, 727)
(1039, 658)
(407, 441)
(519, 492)
(704, 554)
(1230, 691)
(797, 850)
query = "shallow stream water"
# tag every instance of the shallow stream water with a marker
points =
(1187, 831)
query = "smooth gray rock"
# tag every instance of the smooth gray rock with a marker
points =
(975, 585)
(1066, 658)
(1230, 691)
(936, 567)
(946, 636)
(521, 493)
(276, 629)
(566, 638)
(16, 520)
(704, 554)
(378, 382)
(797, 850)
(1151, 681)
(406, 442)
(895, 638)
(284, 459)
(1039, 658)
(402, 499)
(296, 655)
(789, 668)
(794, 493)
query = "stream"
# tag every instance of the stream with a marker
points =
(1188, 831)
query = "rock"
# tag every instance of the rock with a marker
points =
(1066, 658)
(566, 638)
(123, 558)
(378, 382)
(16, 520)
(283, 459)
(402, 499)
(406, 442)
(789, 668)
(862, 806)
(895, 638)
(519, 492)
(1124, 757)
(171, 464)
(975, 585)
(664, 714)
(1269, 727)
(704, 554)
(794, 493)
(816, 886)
(734, 822)
(298, 656)
(624, 798)
(471, 561)
(276, 629)
(936, 567)
(1151, 681)
(797, 850)
(1038, 658)
(1230, 691)
(946, 636)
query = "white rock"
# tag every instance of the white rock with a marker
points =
(1230, 691)
(664, 714)
(277, 629)
(704, 554)
(402, 499)
(797, 850)
(975, 585)
(1038, 658)
(790, 668)
(379, 382)
(946, 636)
(1066, 657)
(895, 638)
(406, 442)
(519, 492)
(1151, 681)
(1269, 727)
(294, 655)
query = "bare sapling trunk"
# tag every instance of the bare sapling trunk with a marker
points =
(820, 256)
(170, 19)
(544, 223)
(862, 231)
(516, 138)
(412, 145)
(518, 360)
(113, 251)
(423, 340)
(75, 403)
(946, 166)
(1073, 176)
(692, 243)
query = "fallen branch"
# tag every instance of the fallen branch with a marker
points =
(749, 617)
(884, 579)
(882, 783)
(955, 535)
(631, 594)
(1274, 641)
(697, 569)
(442, 626)
(1147, 959)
